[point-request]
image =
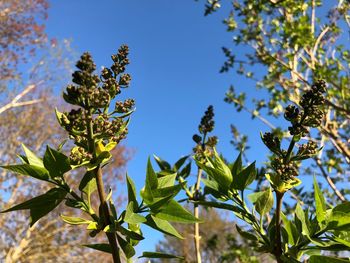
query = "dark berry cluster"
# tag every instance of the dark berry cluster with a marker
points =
(308, 149)
(93, 94)
(272, 142)
(79, 155)
(205, 144)
(310, 114)
(124, 106)
(104, 128)
(207, 121)
(285, 171)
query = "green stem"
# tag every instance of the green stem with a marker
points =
(278, 245)
(106, 215)
(197, 236)
(290, 150)
(102, 195)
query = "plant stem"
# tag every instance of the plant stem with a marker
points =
(197, 236)
(278, 245)
(102, 195)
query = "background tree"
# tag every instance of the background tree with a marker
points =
(21, 33)
(219, 238)
(293, 43)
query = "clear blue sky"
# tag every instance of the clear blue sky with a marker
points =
(175, 60)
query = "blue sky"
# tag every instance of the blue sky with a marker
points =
(175, 60)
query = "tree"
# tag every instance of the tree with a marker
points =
(295, 42)
(21, 33)
(219, 238)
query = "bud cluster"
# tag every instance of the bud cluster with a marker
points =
(205, 148)
(285, 171)
(311, 114)
(207, 121)
(79, 155)
(104, 128)
(309, 149)
(124, 106)
(93, 94)
(272, 142)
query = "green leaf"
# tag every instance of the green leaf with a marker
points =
(180, 162)
(158, 255)
(75, 220)
(300, 214)
(167, 191)
(131, 217)
(32, 158)
(131, 192)
(174, 212)
(217, 170)
(27, 169)
(221, 206)
(100, 247)
(253, 197)
(162, 226)
(293, 234)
(320, 203)
(166, 180)
(88, 185)
(159, 203)
(264, 202)
(128, 249)
(163, 165)
(59, 115)
(130, 232)
(151, 177)
(41, 205)
(237, 166)
(56, 162)
(339, 217)
(325, 259)
(186, 171)
(246, 235)
(221, 168)
(110, 146)
(92, 226)
(342, 237)
(151, 184)
(76, 204)
(23, 159)
(244, 178)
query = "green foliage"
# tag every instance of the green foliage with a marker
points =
(287, 238)
(41, 205)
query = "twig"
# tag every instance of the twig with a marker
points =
(329, 180)
(313, 14)
(14, 103)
